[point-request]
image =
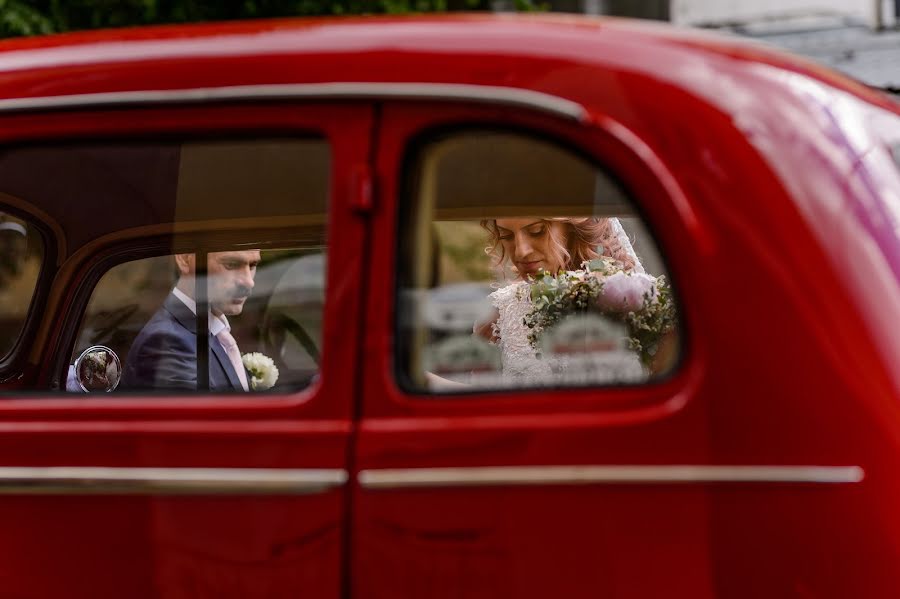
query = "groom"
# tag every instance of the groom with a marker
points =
(163, 355)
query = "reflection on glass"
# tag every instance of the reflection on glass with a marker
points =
(264, 320)
(21, 255)
(523, 265)
(570, 304)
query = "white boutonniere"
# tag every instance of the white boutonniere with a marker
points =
(263, 372)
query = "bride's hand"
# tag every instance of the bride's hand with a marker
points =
(486, 329)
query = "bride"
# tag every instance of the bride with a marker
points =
(531, 245)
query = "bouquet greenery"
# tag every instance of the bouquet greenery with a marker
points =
(641, 302)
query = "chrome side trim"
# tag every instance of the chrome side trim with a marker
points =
(76, 480)
(401, 478)
(488, 94)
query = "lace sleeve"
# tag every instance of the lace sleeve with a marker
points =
(518, 356)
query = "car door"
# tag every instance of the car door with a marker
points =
(154, 490)
(561, 486)
(488, 465)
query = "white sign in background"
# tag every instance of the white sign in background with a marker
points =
(721, 12)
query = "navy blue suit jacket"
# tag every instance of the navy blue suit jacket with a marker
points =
(163, 355)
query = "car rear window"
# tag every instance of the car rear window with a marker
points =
(21, 258)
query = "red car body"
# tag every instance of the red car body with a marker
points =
(773, 193)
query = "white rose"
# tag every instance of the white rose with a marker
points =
(263, 372)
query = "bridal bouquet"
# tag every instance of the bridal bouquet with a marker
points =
(639, 301)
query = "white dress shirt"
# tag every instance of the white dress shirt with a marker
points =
(216, 323)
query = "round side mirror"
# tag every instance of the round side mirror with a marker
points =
(98, 369)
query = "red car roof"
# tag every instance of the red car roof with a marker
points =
(551, 54)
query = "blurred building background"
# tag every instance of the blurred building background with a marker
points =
(876, 14)
(859, 37)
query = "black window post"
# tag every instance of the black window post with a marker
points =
(201, 293)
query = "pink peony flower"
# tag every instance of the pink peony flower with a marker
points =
(625, 292)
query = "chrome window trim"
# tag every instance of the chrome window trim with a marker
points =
(400, 478)
(78, 480)
(487, 94)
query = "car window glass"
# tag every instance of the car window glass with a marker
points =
(96, 190)
(21, 257)
(144, 311)
(522, 265)
(138, 220)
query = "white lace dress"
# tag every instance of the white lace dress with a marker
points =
(522, 366)
(519, 360)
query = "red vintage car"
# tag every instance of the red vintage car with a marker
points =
(375, 400)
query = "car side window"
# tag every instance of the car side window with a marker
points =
(524, 265)
(267, 303)
(21, 258)
(195, 265)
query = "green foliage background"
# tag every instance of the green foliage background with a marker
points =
(32, 17)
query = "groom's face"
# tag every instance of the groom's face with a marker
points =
(231, 277)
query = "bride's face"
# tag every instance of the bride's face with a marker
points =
(529, 245)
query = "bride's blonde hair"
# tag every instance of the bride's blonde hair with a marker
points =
(579, 242)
